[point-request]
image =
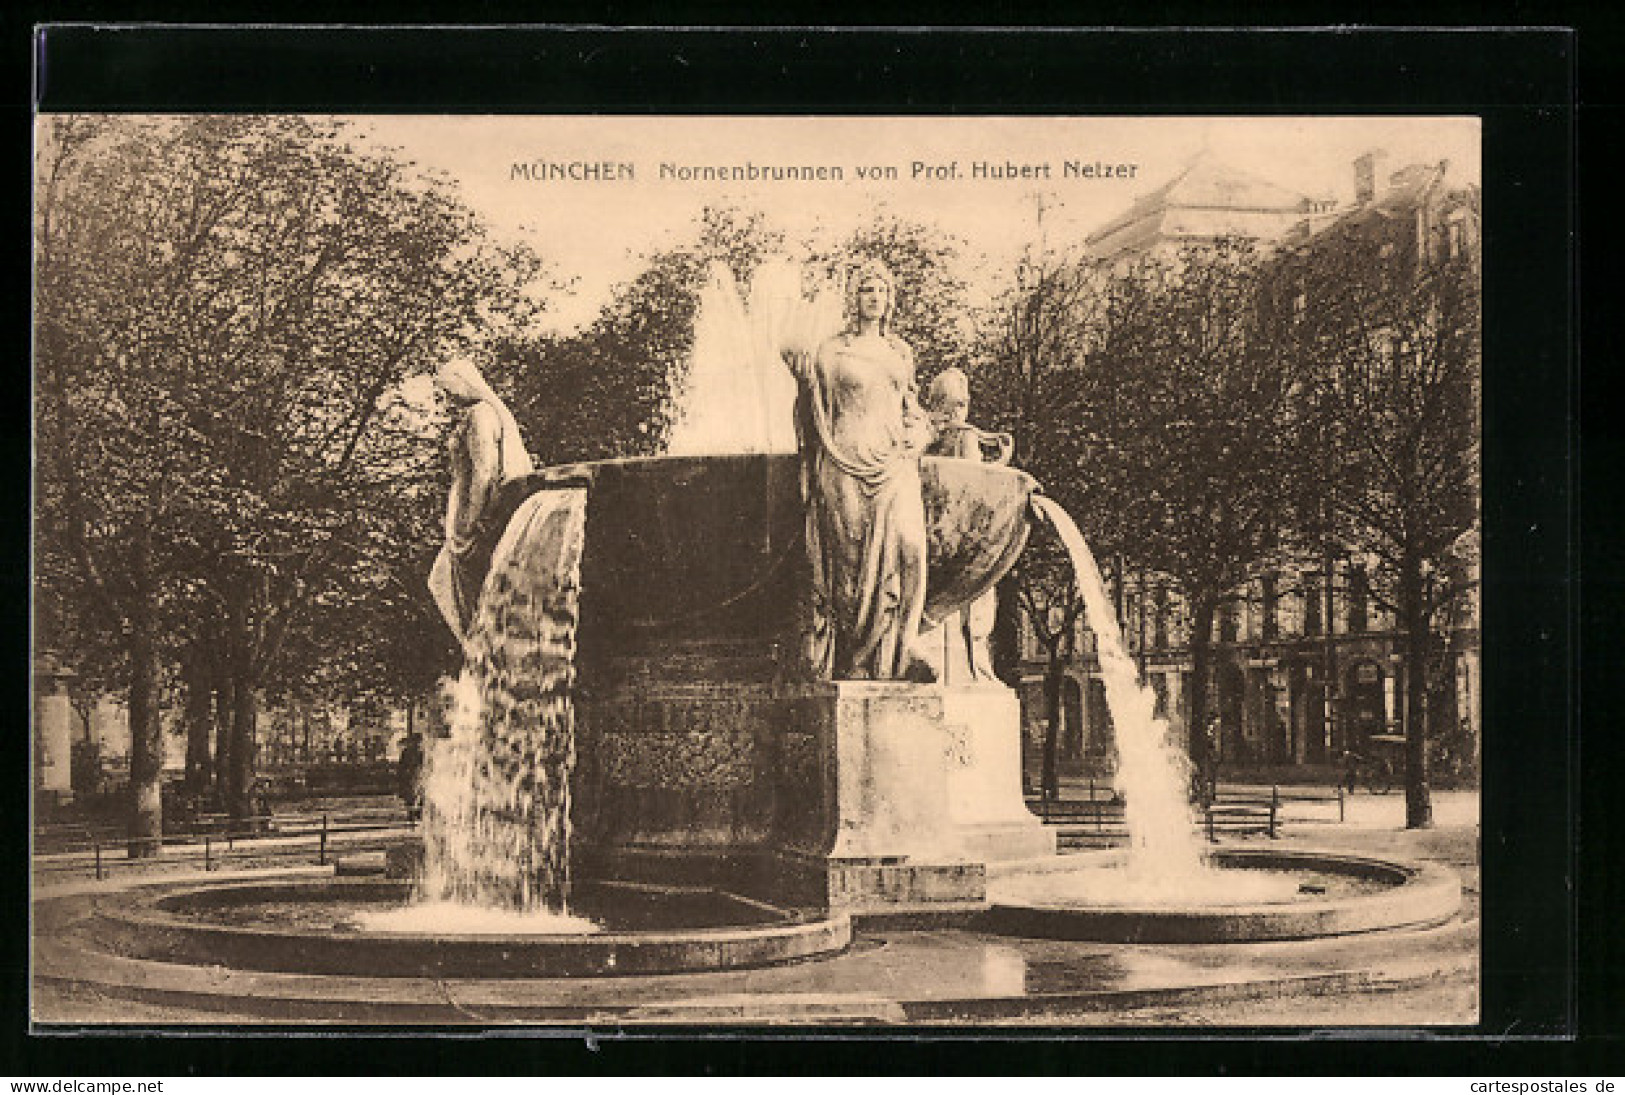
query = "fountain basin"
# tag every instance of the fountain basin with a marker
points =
(1366, 895)
(307, 926)
(699, 730)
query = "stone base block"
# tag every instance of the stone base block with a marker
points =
(989, 813)
(926, 791)
(862, 886)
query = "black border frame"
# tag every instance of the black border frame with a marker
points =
(1521, 82)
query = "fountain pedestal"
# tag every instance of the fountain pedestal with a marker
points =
(846, 795)
(926, 791)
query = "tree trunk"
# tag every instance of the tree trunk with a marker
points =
(1201, 639)
(199, 723)
(241, 801)
(1332, 689)
(1413, 614)
(224, 691)
(146, 827)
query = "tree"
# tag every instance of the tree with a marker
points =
(108, 486)
(1034, 348)
(1390, 329)
(375, 636)
(227, 306)
(1049, 598)
(343, 274)
(1188, 419)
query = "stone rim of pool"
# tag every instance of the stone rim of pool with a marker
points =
(1416, 895)
(152, 926)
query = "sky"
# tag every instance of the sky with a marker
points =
(592, 232)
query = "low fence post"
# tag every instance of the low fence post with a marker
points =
(98, 844)
(1275, 807)
(208, 853)
(1211, 839)
(321, 859)
(1340, 817)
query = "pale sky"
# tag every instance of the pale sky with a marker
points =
(591, 232)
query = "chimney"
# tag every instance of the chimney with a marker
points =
(1365, 176)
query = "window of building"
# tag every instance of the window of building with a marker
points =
(1359, 599)
(1159, 627)
(1230, 621)
(1313, 605)
(1269, 611)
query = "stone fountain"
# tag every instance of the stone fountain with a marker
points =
(727, 813)
(704, 752)
(640, 739)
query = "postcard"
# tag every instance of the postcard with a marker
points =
(771, 571)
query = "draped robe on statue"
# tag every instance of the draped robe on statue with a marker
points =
(489, 466)
(862, 435)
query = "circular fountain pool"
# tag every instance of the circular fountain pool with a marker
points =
(1251, 895)
(319, 926)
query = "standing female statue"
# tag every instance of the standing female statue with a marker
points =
(861, 434)
(486, 454)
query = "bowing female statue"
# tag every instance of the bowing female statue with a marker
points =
(487, 454)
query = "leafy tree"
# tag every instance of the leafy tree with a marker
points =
(1188, 418)
(1033, 349)
(1048, 596)
(226, 306)
(1392, 338)
(109, 433)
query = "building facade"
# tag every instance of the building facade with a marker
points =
(1303, 669)
(1307, 663)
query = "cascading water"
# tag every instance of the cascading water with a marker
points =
(496, 816)
(1165, 861)
(1153, 774)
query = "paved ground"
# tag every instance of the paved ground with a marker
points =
(865, 983)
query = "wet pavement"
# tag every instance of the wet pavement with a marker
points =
(884, 976)
(919, 976)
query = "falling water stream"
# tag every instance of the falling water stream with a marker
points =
(496, 810)
(1165, 862)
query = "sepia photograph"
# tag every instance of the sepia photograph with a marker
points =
(798, 571)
